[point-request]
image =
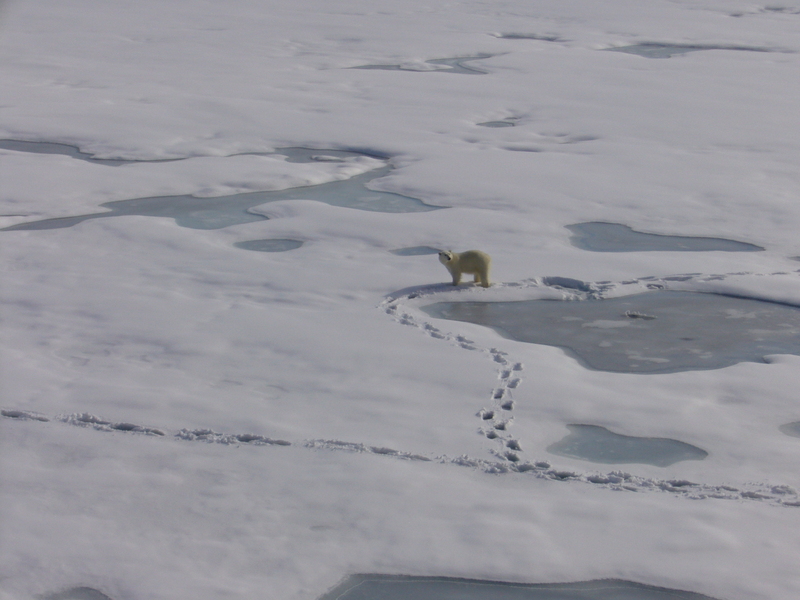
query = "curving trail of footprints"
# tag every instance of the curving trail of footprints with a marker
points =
(494, 420)
(498, 417)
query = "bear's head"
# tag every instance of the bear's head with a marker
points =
(445, 257)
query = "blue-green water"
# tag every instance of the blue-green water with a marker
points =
(654, 332)
(401, 587)
(599, 445)
(614, 237)
(225, 211)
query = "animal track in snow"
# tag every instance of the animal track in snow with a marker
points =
(500, 396)
(86, 419)
(207, 435)
(513, 445)
(95, 422)
(495, 427)
(362, 448)
(24, 415)
(510, 463)
(506, 455)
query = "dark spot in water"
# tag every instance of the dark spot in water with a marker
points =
(691, 331)
(614, 237)
(599, 445)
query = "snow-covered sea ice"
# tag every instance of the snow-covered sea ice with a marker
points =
(186, 419)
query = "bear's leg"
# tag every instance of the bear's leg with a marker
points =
(484, 277)
(456, 278)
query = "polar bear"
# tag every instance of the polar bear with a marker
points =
(472, 262)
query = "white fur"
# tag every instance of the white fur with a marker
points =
(472, 262)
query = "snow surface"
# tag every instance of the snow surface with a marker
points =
(183, 418)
